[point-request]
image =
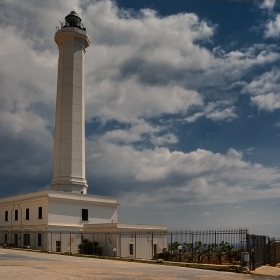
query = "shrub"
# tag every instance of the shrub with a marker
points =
(90, 248)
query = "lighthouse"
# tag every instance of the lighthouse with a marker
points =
(69, 136)
(51, 220)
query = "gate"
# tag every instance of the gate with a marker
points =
(257, 248)
(273, 250)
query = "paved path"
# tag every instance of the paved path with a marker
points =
(31, 265)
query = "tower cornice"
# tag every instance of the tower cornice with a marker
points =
(72, 34)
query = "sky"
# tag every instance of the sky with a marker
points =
(182, 107)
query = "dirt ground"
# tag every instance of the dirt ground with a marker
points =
(267, 271)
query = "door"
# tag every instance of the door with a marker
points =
(16, 240)
(58, 246)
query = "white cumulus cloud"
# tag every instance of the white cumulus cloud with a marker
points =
(265, 90)
(272, 28)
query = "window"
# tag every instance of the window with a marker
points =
(6, 216)
(130, 249)
(27, 214)
(6, 238)
(26, 239)
(39, 239)
(16, 215)
(84, 214)
(40, 213)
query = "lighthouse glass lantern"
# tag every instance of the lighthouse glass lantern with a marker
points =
(73, 20)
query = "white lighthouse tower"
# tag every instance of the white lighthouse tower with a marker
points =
(69, 136)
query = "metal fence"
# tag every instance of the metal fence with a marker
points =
(236, 238)
(211, 246)
(197, 246)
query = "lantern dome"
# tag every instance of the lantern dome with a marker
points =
(73, 20)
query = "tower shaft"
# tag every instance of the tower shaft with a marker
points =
(69, 136)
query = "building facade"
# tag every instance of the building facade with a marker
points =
(59, 221)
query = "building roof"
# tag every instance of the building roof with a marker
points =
(118, 227)
(51, 194)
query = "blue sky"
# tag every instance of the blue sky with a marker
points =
(182, 107)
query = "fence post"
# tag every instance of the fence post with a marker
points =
(264, 250)
(275, 251)
(268, 251)
(105, 243)
(135, 245)
(192, 246)
(248, 248)
(171, 242)
(82, 246)
(120, 244)
(215, 237)
(152, 245)
(70, 243)
(253, 249)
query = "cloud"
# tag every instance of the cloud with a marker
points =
(129, 101)
(215, 111)
(136, 65)
(206, 214)
(26, 112)
(164, 176)
(236, 63)
(143, 65)
(265, 90)
(272, 28)
(166, 139)
(267, 4)
(140, 132)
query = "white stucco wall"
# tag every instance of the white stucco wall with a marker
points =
(143, 244)
(70, 213)
(21, 206)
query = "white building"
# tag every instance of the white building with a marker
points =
(60, 218)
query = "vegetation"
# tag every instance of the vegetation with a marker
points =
(90, 248)
(198, 252)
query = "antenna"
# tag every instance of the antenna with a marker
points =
(61, 23)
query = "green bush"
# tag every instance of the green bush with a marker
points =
(195, 252)
(90, 248)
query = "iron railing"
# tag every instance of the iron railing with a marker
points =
(197, 246)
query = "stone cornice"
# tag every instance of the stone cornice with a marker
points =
(124, 227)
(57, 195)
(72, 33)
